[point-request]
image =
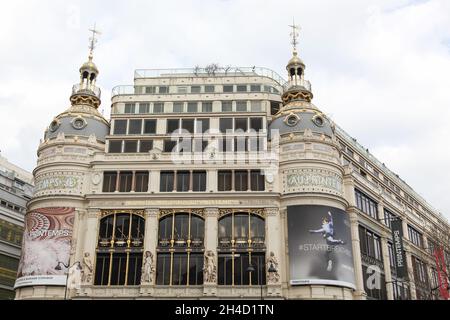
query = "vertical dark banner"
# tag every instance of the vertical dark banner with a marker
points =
(399, 252)
(320, 246)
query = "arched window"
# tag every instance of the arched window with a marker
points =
(241, 245)
(119, 252)
(180, 249)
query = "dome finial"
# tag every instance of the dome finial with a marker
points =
(294, 35)
(93, 41)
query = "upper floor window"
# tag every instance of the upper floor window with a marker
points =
(126, 181)
(241, 180)
(196, 89)
(389, 217)
(228, 88)
(366, 204)
(130, 108)
(120, 126)
(163, 89)
(183, 181)
(370, 244)
(210, 89)
(415, 236)
(144, 108)
(420, 272)
(241, 88)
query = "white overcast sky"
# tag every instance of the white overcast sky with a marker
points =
(379, 68)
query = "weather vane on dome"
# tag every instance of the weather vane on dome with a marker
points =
(294, 34)
(93, 40)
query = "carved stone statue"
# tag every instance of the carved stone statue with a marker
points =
(147, 268)
(209, 268)
(88, 268)
(273, 275)
(74, 276)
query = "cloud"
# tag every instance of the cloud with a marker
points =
(378, 67)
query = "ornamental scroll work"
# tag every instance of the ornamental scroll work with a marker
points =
(59, 183)
(312, 180)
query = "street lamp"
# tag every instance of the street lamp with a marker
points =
(59, 268)
(251, 269)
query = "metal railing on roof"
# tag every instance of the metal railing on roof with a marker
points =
(87, 89)
(210, 71)
(299, 83)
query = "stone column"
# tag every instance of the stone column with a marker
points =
(412, 286)
(273, 253)
(387, 268)
(151, 234)
(359, 293)
(211, 233)
(89, 230)
(380, 209)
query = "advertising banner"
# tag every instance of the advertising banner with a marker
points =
(46, 247)
(399, 252)
(442, 273)
(320, 248)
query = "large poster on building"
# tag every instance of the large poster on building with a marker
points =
(320, 248)
(46, 247)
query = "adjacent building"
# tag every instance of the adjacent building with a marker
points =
(16, 189)
(224, 183)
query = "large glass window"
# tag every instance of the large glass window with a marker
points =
(256, 124)
(180, 243)
(227, 106)
(119, 252)
(120, 126)
(201, 125)
(241, 180)
(125, 183)
(225, 180)
(366, 204)
(146, 146)
(135, 127)
(167, 181)
(109, 181)
(188, 125)
(241, 245)
(207, 107)
(173, 125)
(199, 181)
(415, 236)
(183, 181)
(226, 124)
(141, 181)
(150, 127)
(130, 146)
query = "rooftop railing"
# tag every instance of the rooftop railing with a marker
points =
(86, 89)
(210, 71)
(299, 83)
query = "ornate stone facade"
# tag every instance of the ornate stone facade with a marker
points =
(209, 217)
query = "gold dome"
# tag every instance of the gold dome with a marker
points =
(89, 66)
(295, 61)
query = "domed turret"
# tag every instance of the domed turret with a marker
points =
(82, 119)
